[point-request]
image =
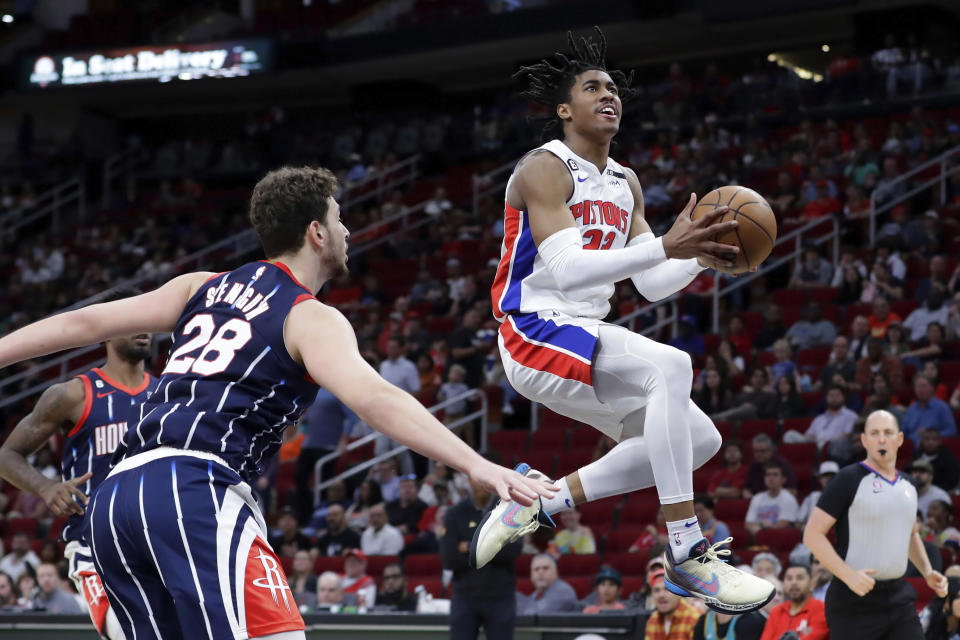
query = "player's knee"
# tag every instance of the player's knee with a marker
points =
(677, 368)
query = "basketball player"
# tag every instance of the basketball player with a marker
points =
(92, 411)
(574, 226)
(175, 533)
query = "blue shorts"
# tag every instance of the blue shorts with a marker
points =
(181, 548)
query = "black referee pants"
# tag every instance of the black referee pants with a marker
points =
(888, 612)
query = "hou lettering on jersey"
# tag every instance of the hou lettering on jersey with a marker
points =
(601, 206)
(92, 441)
(230, 387)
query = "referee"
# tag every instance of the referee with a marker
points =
(875, 511)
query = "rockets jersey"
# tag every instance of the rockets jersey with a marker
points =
(230, 387)
(601, 206)
(108, 407)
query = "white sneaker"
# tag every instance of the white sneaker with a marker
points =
(506, 522)
(723, 588)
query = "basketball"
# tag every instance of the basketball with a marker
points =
(757, 230)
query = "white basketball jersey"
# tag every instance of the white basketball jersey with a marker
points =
(601, 206)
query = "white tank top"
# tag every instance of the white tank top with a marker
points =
(601, 206)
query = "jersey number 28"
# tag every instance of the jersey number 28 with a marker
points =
(219, 346)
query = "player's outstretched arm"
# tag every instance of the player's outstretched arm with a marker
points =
(153, 312)
(59, 404)
(321, 338)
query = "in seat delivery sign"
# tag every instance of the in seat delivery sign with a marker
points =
(228, 59)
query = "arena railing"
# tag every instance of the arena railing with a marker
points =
(942, 161)
(490, 182)
(120, 165)
(398, 449)
(53, 205)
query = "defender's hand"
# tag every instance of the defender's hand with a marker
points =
(59, 496)
(510, 485)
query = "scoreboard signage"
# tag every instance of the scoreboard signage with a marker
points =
(228, 59)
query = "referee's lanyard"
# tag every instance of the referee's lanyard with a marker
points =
(710, 627)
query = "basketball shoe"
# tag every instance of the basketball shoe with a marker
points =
(506, 522)
(723, 588)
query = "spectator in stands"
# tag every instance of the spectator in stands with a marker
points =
(783, 365)
(456, 281)
(714, 530)
(431, 529)
(381, 538)
(335, 494)
(426, 288)
(764, 451)
(714, 395)
(738, 335)
(889, 186)
(773, 508)
(426, 370)
(355, 579)
(812, 270)
(550, 593)
(882, 317)
(824, 204)
(727, 483)
(394, 593)
(786, 196)
(859, 333)
(936, 280)
(479, 597)
(771, 330)
(755, 400)
(397, 370)
(574, 537)
(302, 580)
(821, 578)
(836, 423)
(801, 613)
(828, 469)
(673, 617)
(929, 348)
(608, 583)
(841, 369)
(789, 402)
(920, 318)
(748, 626)
(387, 475)
(405, 512)
(812, 330)
(936, 528)
(882, 284)
(927, 492)
(453, 387)
(456, 484)
(27, 588)
(326, 426)
(439, 204)
(876, 362)
(653, 536)
(466, 350)
(21, 557)
(946, 469)
(338, 536)
(688, 338)
(896, 344)
(851, 285)
(944, 614)
(369, 494)
(8, 593)
(50, 597)
(766, 565)
(330, 591)
(288, 539)
(926, 412)
(882, 398)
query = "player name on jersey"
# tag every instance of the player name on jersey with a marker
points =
(241, 295)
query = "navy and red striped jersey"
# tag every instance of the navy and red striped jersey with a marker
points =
(108, 407)
(230, 387)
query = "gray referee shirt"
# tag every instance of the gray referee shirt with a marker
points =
(875, 519)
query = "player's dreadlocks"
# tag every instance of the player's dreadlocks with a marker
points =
(549, 83)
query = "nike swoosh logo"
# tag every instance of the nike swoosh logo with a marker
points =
(509, 518)
(579, 179)
(690, 524)
(568, 503)
(712, 587)
(104, 395)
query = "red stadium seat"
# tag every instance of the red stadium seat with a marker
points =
(797, 424)
(640, 508)
(551, 420)
(811, 399)
(622, 538)
(816, 356)
(924, 593)
(584, 438)
(287, 563)
(823, 295)
(548, 440)
(630, 585)
(524, 585)
(523, 565)
(542, 461)
(25, 525)
(56, 527)
(628, 564)
(426, 565)
(782, 540)
(570, 461)
(725, 427)
(571, 564)
(751, 428)
(328, 563)
(509, 443)
(599, 515)
(800, 455)
(375, 564)
(732, 510)
(952, 443)
(583, 586)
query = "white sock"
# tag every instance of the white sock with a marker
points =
(683, 534)
(561, 500)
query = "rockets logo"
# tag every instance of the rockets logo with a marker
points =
(272, 580)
